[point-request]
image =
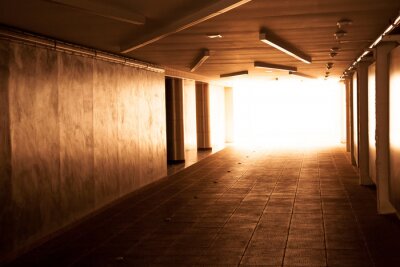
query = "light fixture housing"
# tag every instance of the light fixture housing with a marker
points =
(269, 66)
(237, 73)
(214, 35)
(344, 22)
(201, 59)
(340, 34)
(281, 45)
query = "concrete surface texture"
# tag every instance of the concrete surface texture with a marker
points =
(239, 207)
(79, 133)
(394, 140)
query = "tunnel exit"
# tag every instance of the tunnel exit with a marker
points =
(288, 113)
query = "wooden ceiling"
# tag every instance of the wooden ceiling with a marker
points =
(308, 25)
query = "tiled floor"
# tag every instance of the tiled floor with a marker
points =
(236, 207)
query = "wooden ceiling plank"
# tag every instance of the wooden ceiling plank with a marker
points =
(106, 11)
(208, 12)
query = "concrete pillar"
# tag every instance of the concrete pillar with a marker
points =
(382, 126)
(203, 116)
(363, 145)
(348, 115)
(351, 115)
(175, 127)
(228, 114)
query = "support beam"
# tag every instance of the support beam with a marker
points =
(99, 9)
(348, 115)
(175, 127)
(228, 114)
(206, 13)
(203, 116)
(382, 126)
(349, 81)
(363, 145)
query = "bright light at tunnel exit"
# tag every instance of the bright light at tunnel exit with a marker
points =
(288, 113)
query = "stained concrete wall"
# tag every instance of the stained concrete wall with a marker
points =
(76, 133)
(394, 131)
(371, 122)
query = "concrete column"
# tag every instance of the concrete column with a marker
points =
(348, 116)
(203, 116)
(175, 127)
(363, 145)
(228, 114)
(382, 126)
(351, 115)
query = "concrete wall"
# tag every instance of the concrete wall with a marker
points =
(355, 118)
(217, 111)
(371, 122)
(394, 131)
(189, 114)
(76, 133)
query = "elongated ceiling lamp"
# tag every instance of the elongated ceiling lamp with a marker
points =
(205, 54)
(238, 73)
(284, 47)
(265, 65)
(301, 75)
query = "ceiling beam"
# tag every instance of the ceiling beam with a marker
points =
(208, 12)
(102, 10)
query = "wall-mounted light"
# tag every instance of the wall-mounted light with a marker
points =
(333, 54)
(340, 34)
(329, 65)
(205, 54)
(238, 73)
(344, 22)
(284, 47)
(269, 66)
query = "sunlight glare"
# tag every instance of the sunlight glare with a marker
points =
(288, 113)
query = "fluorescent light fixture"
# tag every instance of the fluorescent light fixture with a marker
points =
(376, 42)
(269, 66)
(397, 20)
(388, 29)
(214, 35)
(344, 22)
(340, 34)
(284, 47)
(301, 74)
(203, 57)
(238, 73)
